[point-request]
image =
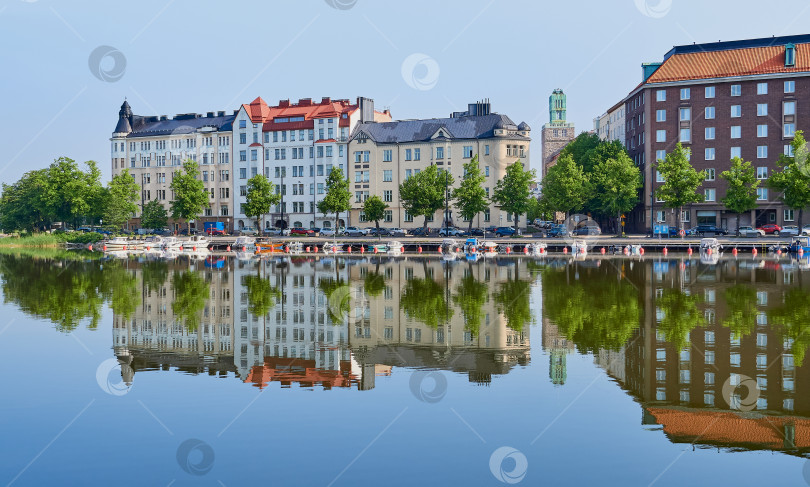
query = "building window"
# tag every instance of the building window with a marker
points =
(407, 154)
(660, 135)
(762, 88)
(736, 111)
(787, 215)
(736, 152)
(661, 95)
(243, 156)
(686, 114)
(762, 152)
(709, 113)
(439, 152)
(486, 171)
(686, 135)
(389, 216)
(709, 133)
(388, 155)
(388, 195)
(710, 194)
(468, 151)
(486, 150)
(762, 172)
(408, 217)
(790, 87)
(417, 154)
(660, 115)
(736, 131)
(388, 175)
(789, 108)
(659, 178)
(686, 93)
(762, 130)
(790, 130)
(710, 92)
(710, 174)
(762, 194)
(709, 154)
(736, 90)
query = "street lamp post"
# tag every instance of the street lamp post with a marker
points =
(446, 202)
(281, 190)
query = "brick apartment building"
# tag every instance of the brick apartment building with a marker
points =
(721, 100)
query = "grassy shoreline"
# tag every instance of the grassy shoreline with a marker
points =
(48, 240)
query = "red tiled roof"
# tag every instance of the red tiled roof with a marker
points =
(730, 62)
(257, 110)
(289, 370)
(255, 144)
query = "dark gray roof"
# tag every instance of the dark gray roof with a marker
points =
(467, 127)
(123, 126)
(153, 126)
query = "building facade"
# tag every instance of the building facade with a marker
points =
(720, 100)
(383, 155)
(556, 134)
(295, 145)
(153, 148)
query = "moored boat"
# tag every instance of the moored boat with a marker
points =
(800, 245)
(171, 243)
(395, 247)
(244, 243)
(197, 242)
(710, 245)
(579, 247)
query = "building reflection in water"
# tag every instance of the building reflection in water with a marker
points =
(698, 328)
(327, 322)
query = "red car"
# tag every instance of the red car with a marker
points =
(770, 229)
(302, 231)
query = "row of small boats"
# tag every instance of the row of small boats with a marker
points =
(152, 244)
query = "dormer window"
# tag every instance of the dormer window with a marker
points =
(790, 55)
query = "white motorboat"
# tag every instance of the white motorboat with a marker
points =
(579, 247)
(153, 245)
(710, 246)
(450, 249)
(535, 249)
(116, 244)
(395, 247)
(244, 243)
(635, 249)
(197, 242)
(489, 248)
(171, 243)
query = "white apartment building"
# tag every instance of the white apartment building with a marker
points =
(154, 147)
(295, 145)
(611, 124)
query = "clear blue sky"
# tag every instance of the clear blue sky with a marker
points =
(196, 56)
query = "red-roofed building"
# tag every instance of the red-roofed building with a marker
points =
(295, 145)
(721, 100)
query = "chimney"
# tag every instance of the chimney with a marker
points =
(284, 103)
(305, 102)
(221, 114)
(366, 106)
(326, 100)
(210, 114)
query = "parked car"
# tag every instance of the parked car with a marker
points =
(475, 232)
(557, 230)
(276, 232)
(542, 224)
(491, 229)
(248, 231)
(355, 232)
(586, 230)
(382, 232)
(214, 228)
(421, 232)
(806, 230)
(702, 230)
(770, 229)
(748, 231)
(398, 232)
(504, 231)
(450, 232)
(790, 230)
(307, 232)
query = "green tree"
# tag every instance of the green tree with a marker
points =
(261, 294)
(374, 209)
(122, 195)
(69, 190)
(154, 215)
(793, 321)
(512, 299)
(190, 195)
(681, 181)
(338, 197)
(261, 196)
(470, 196)
(24, 205)
(190, 295)
(741, 307)
(681, 316)
(423, 194)
(792, 181)
(513, 192)
(581, 150)
(424, 300)
(741, 195)
(616, 182)
(96, 195)
(471, 295)
(565, 187)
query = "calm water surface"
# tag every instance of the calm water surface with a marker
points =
(378, 371)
